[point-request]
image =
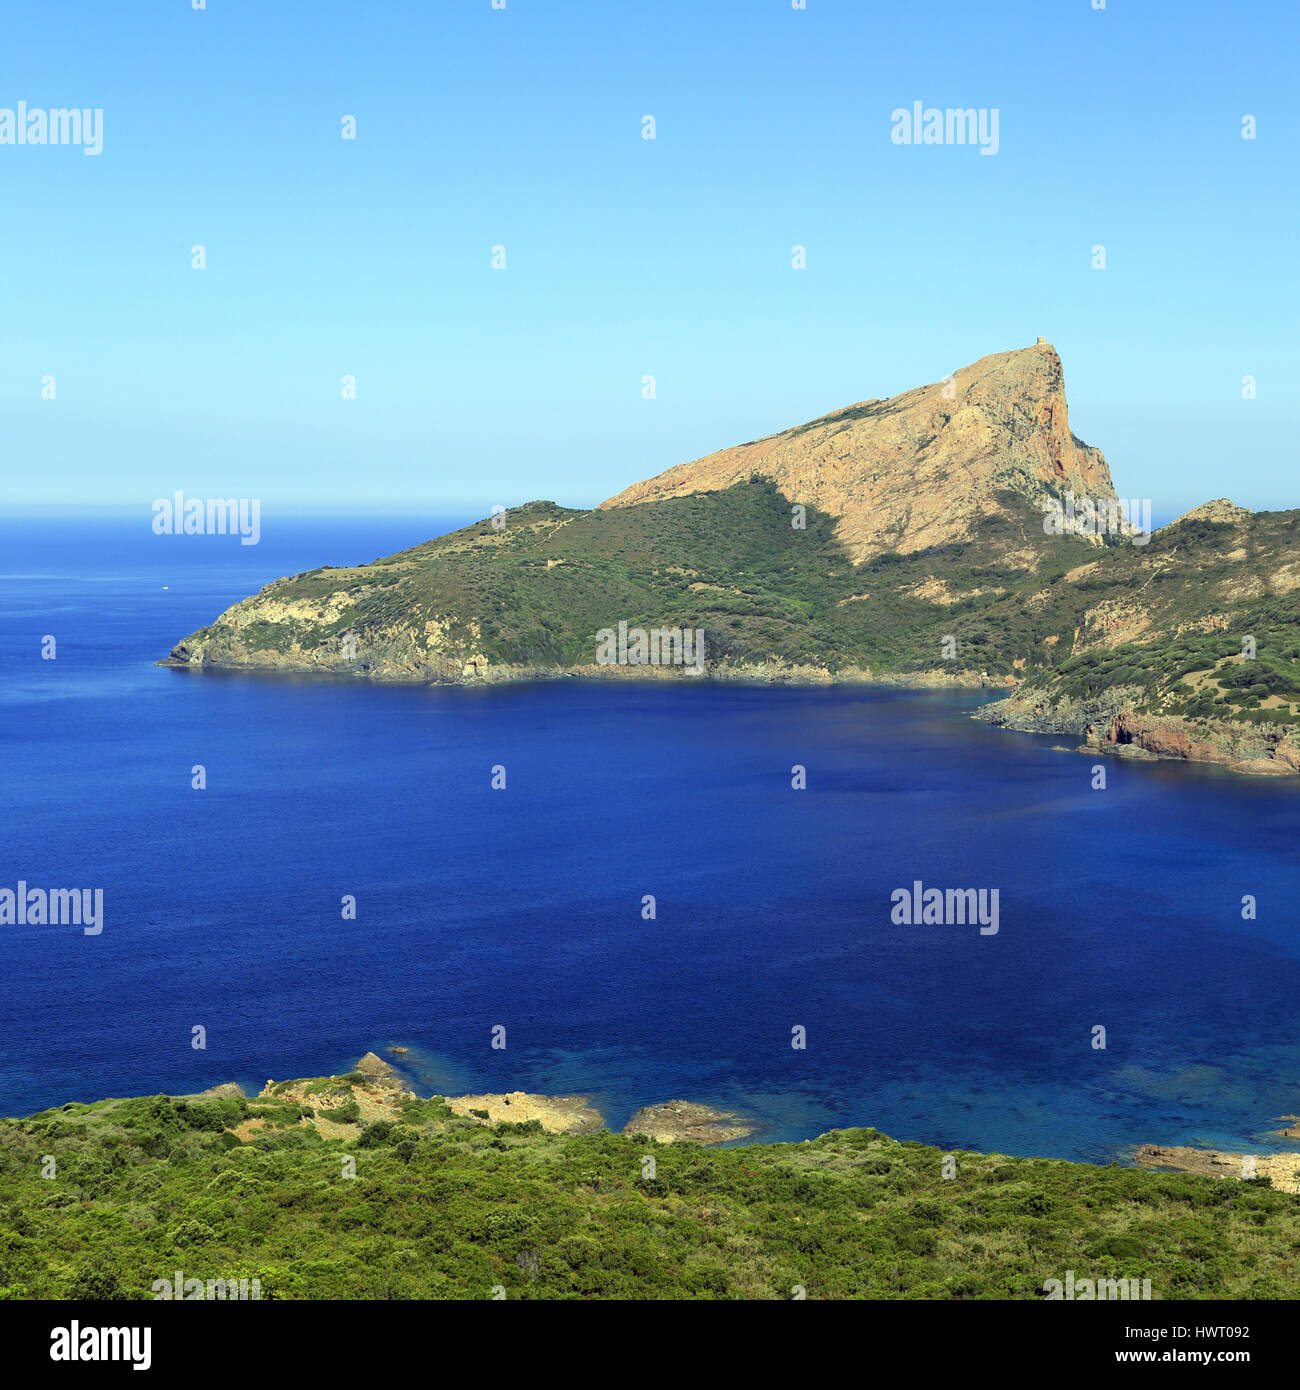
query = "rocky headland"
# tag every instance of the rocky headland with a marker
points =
(901, 540)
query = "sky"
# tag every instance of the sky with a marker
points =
(625, 257)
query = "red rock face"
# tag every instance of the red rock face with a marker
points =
(1156, 736)
(922, 468)
(1243, 750)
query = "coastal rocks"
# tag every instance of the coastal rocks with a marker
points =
(1208, 1163)
(1282, 1169)
(265, 607)
(226, 1090)
(269, 632)
(684, 1121)
(1108, 724)
(382, 1074)
(673, 1122)
(557, 1114)
(1037, 711)
(1158, 738)
(1257, 750)
(886, 468)
(1286, 752)
(931, 680)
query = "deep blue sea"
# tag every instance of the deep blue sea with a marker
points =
(523, 907)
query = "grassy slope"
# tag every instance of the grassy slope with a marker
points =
(444, 1207)
(729, 562)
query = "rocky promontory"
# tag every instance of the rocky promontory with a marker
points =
(769, 549)
(684, 1121)
(901, 540)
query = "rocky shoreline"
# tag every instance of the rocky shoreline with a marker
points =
(378, 1090)
(339, 1107)
(1034, 711)
(1110, 726)
(1282, 1170)
(484, 674)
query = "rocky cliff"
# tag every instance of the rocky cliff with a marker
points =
(921, 469)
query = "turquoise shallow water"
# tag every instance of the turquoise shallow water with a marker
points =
(523, 907)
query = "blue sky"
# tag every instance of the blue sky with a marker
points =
(625, 257)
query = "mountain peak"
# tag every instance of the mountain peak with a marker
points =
(922, 468)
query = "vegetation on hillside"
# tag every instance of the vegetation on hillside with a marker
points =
(1168, 618)
(443, 1206)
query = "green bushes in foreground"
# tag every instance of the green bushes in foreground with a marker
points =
(444, 1207)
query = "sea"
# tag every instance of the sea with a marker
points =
(650, 908)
